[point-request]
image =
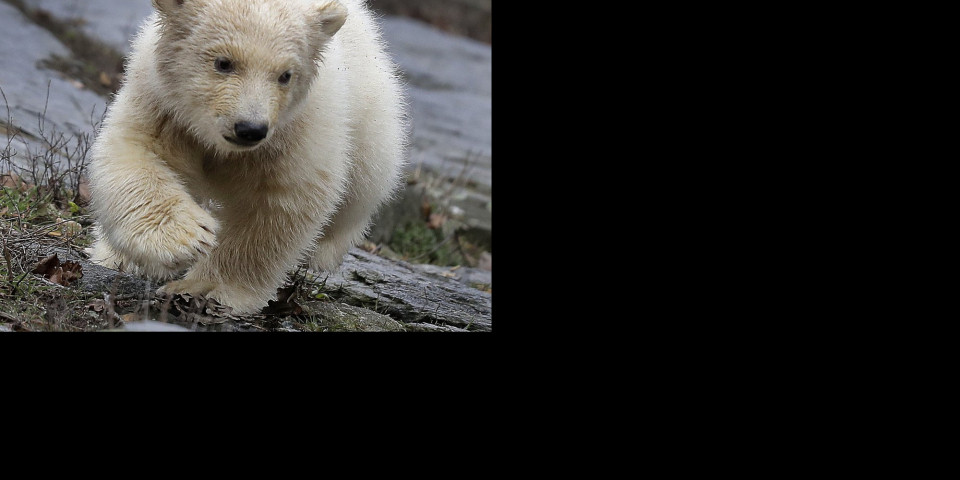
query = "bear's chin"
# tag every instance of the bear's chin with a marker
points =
(233, 145)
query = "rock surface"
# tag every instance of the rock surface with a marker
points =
(450, 83)
(337, 317)
(407, 294)
(370, 293)
(115, 22)
(33, 92)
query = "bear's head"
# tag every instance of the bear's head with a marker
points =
(233, 71)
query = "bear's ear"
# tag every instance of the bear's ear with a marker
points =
(329, 17)
(167, 6)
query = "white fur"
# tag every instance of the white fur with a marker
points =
(170, 192)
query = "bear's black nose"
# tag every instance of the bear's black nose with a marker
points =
(251, 132)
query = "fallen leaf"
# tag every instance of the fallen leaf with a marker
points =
(105, 80)
(281, 309)
(96, 305)
(54, 233)
(83, 190)
(425, 208)
(368, 246)
(436, 220)
(71, 271)
(70, 227)
(214, 308)
(285, 303)
(286, 294)
(196, 308)
(486, 261)
(10, 180)
(51, 269)
(56, 275)
(46, 265)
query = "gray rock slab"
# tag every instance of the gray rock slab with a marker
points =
(343, 317)
(450, 83)
(429, 327)
(374, 294)
(406, 294)
(32, 91)
(114, 22)
(465, 275)
(101, 279)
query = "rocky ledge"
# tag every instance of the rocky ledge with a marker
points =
(367, 293)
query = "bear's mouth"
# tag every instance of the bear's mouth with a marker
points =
(241, 142)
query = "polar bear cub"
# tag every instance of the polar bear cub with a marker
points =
(248, 135)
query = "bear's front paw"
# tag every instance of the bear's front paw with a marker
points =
(192, 236)
(162, 247)
(240, 300)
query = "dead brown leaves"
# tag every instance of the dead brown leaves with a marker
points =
(83, 190)
(97, 305)
(12, 180)
(286, 301)
(436, 220)
(186, 308)
(60, 273)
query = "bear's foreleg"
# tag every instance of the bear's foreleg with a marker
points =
(257, 248)
(149, 224)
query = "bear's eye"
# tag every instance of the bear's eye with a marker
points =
(223, 65)
(285, 78)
